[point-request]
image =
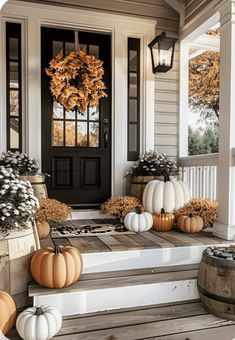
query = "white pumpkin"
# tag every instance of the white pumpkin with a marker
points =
(39, 323)
(168, 195)
(138, 222)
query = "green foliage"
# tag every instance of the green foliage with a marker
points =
(203, 141)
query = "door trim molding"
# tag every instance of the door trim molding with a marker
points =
(121, 27)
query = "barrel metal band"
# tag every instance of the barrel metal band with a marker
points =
(218, 262)
(215, 297)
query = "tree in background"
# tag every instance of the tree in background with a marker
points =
(204, 85)
(204, 101)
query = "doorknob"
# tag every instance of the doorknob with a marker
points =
(106, 132)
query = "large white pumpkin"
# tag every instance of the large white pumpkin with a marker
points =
(39, 323)
(138, 222)
(169, 195)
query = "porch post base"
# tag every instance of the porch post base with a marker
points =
(225, 231)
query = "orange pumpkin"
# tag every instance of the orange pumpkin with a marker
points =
(163, 221)
(7, 312)
(43, 229)
(56, 268)
(190, 224)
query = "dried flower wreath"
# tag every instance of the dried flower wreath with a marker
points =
(76, 80)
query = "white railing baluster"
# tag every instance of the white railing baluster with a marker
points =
(200, 174)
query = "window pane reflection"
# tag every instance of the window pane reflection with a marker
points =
(14, 133)
(94, 135)
(58, 133)
(94, 112)
(58, 111)
(70, 133)
(14, 103)
(14, 75)
(81, 133)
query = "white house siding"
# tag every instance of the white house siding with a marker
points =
(167, 110)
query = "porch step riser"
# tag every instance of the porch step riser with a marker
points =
(121, 297)
(136, 259)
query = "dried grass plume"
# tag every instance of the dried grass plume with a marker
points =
(52, 210)
(207, 209)
(119, 206)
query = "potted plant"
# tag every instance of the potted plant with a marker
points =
(151, 165)
(27, 168)
(17, 235)
(50, 210)
(120, 206)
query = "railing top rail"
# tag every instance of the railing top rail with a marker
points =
(199, 160)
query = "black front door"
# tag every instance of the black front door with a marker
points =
(76, 148)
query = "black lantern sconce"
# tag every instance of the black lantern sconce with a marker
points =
(162, 52)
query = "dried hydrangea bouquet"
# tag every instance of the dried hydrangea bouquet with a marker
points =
(151, 165)
(17, 201)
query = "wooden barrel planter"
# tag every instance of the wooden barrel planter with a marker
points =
(138, 184)
(38, 184)
(15, 253)
(216, 281)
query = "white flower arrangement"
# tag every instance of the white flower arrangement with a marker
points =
(17, 201)
(153, 163)
(21, 163)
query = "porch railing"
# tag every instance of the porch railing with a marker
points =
(200, 173)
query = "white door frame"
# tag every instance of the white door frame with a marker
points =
(36, 15)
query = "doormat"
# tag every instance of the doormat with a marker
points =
(80, 228)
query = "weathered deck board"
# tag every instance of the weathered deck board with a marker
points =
(160, 242)
(179, 239)
(144, 242)
(112, 243)
(96, 244)
(81, 244)
(133, 317)
(156, 329)
(128, 242)
(136, 241)
(47, 242)
(111, 282)
(64, 242)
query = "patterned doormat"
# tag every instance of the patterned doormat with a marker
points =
(95, 227)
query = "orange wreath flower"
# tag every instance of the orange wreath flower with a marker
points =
(76, 80)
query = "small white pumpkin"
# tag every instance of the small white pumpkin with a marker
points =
(167, 195)
(39, 323)
(138, 221)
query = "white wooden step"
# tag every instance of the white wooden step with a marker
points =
(124, 289)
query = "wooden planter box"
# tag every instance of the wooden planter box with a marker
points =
(15, 253)
(138, 184)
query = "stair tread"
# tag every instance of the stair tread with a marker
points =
(124, 278)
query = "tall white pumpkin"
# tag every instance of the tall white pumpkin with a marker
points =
(169, 195)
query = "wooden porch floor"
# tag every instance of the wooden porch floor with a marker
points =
(135, 241)
(187, 321)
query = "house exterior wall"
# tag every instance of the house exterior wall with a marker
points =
(194, 7)
(166, 107)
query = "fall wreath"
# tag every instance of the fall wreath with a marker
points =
(76, 80)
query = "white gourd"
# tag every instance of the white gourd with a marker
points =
(169, 195)
(39, 323)
(138, 222)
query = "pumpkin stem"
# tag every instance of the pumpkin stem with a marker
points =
(138, 210)
(163, 211)
(166, 177)
(38, 311)
(57, 249)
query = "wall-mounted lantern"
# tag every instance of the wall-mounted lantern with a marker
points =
(162, 52)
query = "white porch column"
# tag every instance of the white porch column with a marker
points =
(225, 227)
